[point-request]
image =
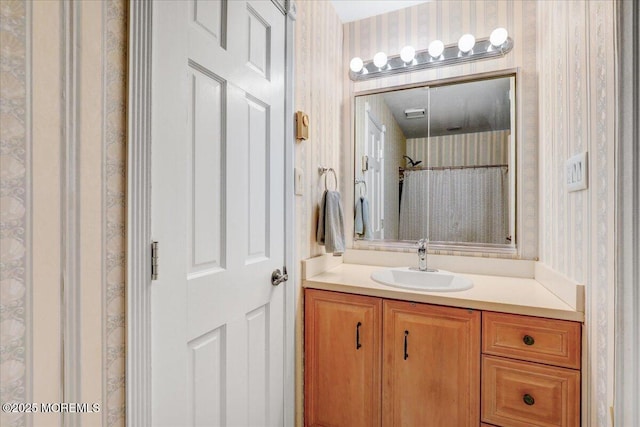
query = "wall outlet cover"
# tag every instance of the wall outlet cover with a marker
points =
(577, 172)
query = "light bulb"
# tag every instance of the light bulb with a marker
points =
(356, 64)
(380, 59)
(436, 48)
(407, 54)
(466, 43)
(498, 37)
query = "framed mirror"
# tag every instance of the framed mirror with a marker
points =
(439, 162)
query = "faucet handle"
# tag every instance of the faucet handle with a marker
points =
(422, 244)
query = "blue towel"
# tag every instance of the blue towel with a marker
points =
(358, 226)
(330, 232)
(362, 226)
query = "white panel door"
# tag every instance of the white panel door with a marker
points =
(218, 213)
(374, 176)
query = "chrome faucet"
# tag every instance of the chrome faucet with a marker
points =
(422, 254)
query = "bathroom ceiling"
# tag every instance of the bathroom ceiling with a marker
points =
(353, 10)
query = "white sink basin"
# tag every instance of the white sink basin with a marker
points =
(432, 281)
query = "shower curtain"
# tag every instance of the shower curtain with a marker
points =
(463, 205)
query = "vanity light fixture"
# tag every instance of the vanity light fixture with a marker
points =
(498, 37)
(407, 54)
(356, 64)
(436, 48)
(380, 60)
(467, 49)
(466, 43)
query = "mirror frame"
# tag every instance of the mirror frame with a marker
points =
(510, 250)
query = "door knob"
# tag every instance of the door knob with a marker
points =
(278, 277)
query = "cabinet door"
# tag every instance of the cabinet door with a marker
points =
(342, 359)
(431, 365)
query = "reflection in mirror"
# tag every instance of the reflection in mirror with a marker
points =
(439, 163)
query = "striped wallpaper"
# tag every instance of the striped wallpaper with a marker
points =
(578, 113)
(465, 149)
(16, 285)
(33, 162)
(448, 20)
(318, 86)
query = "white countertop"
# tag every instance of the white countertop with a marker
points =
(494, 293)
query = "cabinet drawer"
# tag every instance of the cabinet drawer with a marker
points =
(527, 394)
(555, 342)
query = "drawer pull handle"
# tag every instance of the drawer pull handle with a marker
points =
(406, 354)
(358, 345)
(528, 340)
(528, 399)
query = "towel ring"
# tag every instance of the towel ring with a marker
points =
(325, 171)
(363, 186)
(335, 179)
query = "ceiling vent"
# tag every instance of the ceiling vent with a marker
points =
(414, 113)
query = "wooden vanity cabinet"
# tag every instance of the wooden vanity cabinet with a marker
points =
(378, 362)
(342, 359)
(430, 369)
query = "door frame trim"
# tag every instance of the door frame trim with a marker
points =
(627, 286)
(290, 222)
(138, 287)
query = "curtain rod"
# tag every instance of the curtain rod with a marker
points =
(421, 168)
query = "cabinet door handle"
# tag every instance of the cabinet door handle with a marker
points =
(528, 340)
(406, 342)
(358, 345)
(528, 399)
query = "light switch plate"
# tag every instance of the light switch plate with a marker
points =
(577, 172)
(298, 181)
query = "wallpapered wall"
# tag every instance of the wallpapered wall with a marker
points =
(318, 77)
(114, 157)
(34, 45)
(464, 149)
(447, 21)
(15, 194)
(577, 113)
(318, 90)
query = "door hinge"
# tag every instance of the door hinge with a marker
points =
(154, 260)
